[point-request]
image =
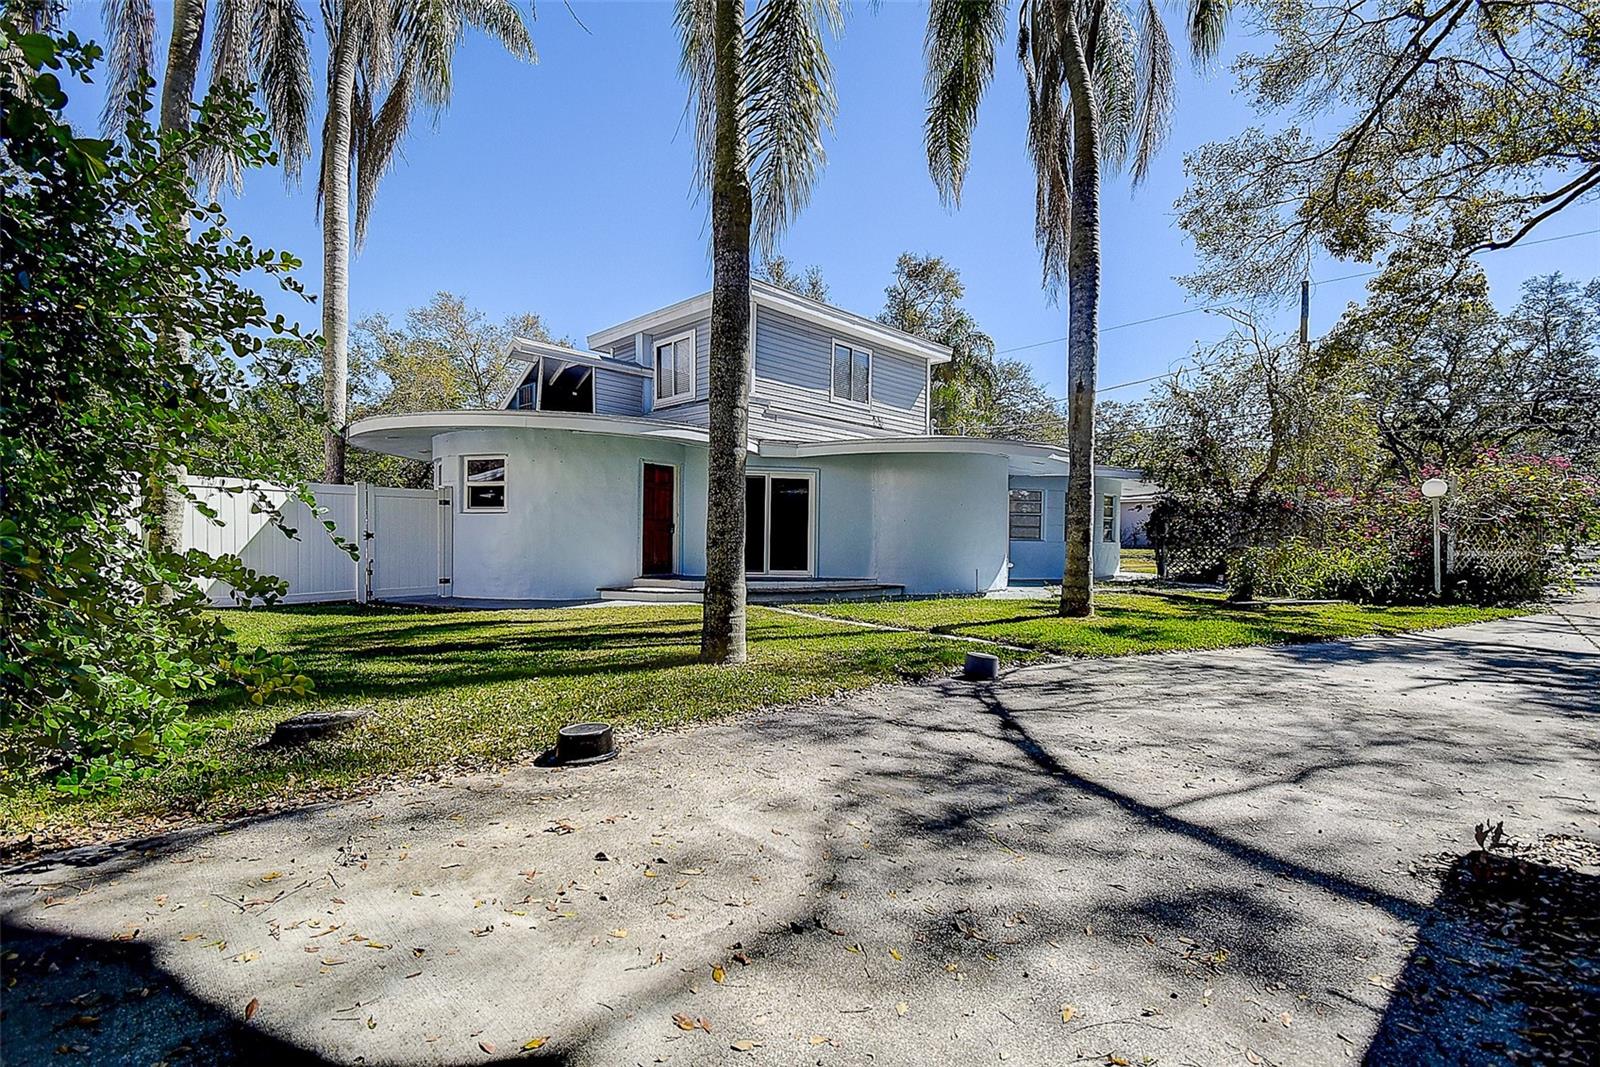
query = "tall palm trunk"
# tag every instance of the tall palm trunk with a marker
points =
(722, 635)
(1083, 339)
(165, 497)
(336, 255)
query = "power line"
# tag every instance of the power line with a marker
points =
(1219, 307)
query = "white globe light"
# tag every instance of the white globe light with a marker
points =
(1434, 488)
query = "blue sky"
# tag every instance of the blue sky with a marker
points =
(564, 188)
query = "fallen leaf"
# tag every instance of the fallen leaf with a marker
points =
(704, 1024)
(251, 1008)
(743, 1046)
(535, 1043)
(1067, 1012)
(619, 932)
(683, 1021)
(820, 1039)
(247, 957)
(895, 953)
(487, 1046)
(717, 973)
(272, 876)
(1286, 1018)
(901, 1008)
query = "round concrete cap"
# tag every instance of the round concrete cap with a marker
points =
(982, 667)
(585, 742)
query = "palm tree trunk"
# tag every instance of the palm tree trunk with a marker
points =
(164, 496)
(336, 256)
(1083, 340)
(722, 634)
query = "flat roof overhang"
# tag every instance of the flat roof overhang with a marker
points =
(411, 436)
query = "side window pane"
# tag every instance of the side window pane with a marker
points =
(486, 470)
(663, 370)
(841, 371)
(860, 377)
(683, 360)
(486, 496)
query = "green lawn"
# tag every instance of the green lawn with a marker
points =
(457, 689)
(469, 689)
(1138, 561)
(1149, 621)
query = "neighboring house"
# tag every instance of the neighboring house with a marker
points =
(592, 475)
(1138, 500)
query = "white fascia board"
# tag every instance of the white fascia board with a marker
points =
(411, 435)
(827, 315)
(611, 335)
(524, 349)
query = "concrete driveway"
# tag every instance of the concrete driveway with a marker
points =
(1198, 858)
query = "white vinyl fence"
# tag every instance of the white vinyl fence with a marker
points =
(403, 535)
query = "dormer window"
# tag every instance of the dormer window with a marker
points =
(675, 369)
(852, 373)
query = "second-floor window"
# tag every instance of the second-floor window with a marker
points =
(852, 373)
(674, 365)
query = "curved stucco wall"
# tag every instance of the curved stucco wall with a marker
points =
(939, 521)
(571, 522)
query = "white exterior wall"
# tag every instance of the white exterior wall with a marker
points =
(1043, 561)
(572, 518)
(934, 523)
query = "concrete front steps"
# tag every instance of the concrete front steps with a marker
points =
(683, 589)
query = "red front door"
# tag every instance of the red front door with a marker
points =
(659, 520)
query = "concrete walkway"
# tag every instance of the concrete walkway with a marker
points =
(1197, 858)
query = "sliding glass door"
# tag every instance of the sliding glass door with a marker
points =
(778, 527)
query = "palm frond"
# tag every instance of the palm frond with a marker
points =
(789, 102)
(1207, 21)
(1040, 54)
(698, 63)
(378, 143)
(282, 65)
(959, 49)
(131, 31)
(1115, 74)
(1157, 90)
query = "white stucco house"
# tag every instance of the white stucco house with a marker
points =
(591, 477)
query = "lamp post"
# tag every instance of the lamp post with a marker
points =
(1435, 489)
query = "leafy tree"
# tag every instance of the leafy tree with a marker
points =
(761, 87)
(95, 410)
(925, 299)
(1122, 432)
(780, 272)
(1444, 122)
(1020, 408)
(445, 356)
(1446, 376)
(1100, 92)
(384, 56)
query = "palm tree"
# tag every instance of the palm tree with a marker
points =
(1100, 92)
(384, 56)
(762, 90)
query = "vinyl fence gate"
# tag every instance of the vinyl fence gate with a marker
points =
(404, 539)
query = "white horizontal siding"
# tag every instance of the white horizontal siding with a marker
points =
(618, 394)
(793, 380)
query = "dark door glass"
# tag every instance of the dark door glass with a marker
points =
(791, 524)
(755, 524)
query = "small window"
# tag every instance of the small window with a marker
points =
(566, 387)
(485, 478)
(852, 373)
(1108, 519)
(526, 397)
(675, 369)
(1027, 514)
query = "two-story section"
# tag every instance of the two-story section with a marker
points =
(818, 373)
(590, 474)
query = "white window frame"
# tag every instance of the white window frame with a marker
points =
(656, 345)
(1011, 515)
(833, 362)
(504, 483)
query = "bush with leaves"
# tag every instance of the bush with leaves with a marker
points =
(107, 259)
